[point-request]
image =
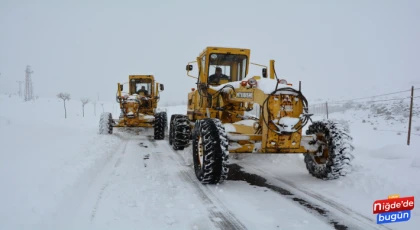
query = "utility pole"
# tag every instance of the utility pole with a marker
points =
(94, 107)
(20, 88)
(326, 107)
(28, 84)
(411, 115)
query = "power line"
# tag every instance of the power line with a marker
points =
(394, 99)
(372, 96)
(395, 131)
(341, 102)
(322, 105)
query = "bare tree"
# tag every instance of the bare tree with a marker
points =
(84, 102)
(65, 97)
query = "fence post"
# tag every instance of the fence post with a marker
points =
(326, 106)
(411, 115)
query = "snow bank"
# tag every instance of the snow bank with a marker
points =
(416, 162)
(383, 165)
(394, 151)
(47, 159)
(44, 157)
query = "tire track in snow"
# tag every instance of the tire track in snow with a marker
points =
(359, 221)
(161, 155)
(95, 207)
(219, 213)
(67, 208)
(105, 185)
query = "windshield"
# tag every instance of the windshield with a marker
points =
(225, 68)
(141, 86)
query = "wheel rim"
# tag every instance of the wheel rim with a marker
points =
(200, 151)
(324, 149)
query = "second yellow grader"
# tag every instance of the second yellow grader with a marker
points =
(138, 107)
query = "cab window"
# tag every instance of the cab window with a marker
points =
(224, 68)
(142, 87)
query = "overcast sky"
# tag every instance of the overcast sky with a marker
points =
(336, 48)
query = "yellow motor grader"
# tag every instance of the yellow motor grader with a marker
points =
(138, 107)
(217, 120)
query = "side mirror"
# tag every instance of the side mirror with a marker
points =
(121, 87)
(264, 72)
(161, 87)
(189, 67)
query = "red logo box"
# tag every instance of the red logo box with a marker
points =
(393, 204)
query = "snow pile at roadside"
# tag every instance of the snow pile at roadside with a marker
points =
(389, 109)
(45, 157)
(383, 165)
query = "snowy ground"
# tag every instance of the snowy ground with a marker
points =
(60, 174)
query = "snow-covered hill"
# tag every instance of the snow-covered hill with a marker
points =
(48, 163)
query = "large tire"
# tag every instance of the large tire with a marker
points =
(210, 141)
(171, 129)
(105, 123)
(335, 161)
(160, 125)
(179, 131)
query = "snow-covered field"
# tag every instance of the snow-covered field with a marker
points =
(59, 173)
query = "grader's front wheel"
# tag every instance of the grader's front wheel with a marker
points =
(210, 152)
(179, 131)
(105, 123)
(160, 125)
(334, 156)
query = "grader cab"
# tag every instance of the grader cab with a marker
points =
(138, 107)
(217, 120)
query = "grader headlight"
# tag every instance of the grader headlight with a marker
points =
(252, 82)
(283, 81)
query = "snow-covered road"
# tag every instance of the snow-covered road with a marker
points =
(59, 173)
(147, 185)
